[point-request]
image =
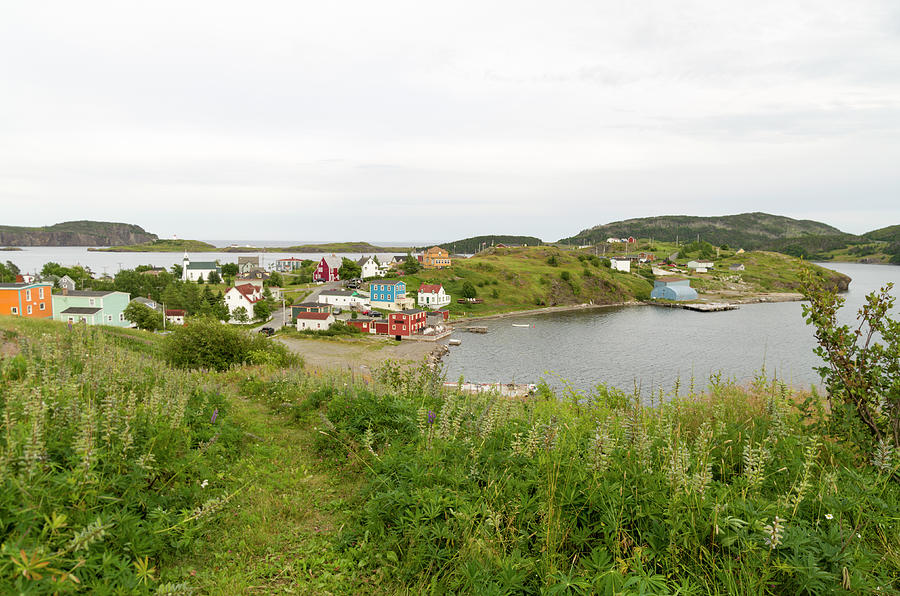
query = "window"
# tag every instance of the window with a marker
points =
(109, 318)
(121, 316)
(41, 294)
(28, 295)
(28, 310)
(91, 301)
(42, 306)
(14, 310)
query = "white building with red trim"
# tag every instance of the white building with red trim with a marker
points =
(244, 295)
(432, 296)
(316, 321)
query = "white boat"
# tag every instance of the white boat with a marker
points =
(521, 325)
(454, 342)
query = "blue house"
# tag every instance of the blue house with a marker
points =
(92, 308)
(673, 288)
(390, 295)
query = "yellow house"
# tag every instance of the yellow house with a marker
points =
(436, 258)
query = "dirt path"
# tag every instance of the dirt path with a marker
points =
(358, 355)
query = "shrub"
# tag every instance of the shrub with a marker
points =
(207, 343)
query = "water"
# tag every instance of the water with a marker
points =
(651, 347)
(32, 258)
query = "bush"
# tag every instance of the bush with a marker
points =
(207, 343)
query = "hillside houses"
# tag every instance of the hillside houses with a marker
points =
(26, 299)
(92, 307)
(247, 264)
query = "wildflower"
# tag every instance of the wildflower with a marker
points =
(204, 484)
(214, 416)
(431, 416)
(828, 516)
(774, 533)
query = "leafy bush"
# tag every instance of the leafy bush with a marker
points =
(207, 343)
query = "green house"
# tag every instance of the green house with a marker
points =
(92, 308)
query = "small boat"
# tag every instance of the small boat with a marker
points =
(521, 325)
(454, 342)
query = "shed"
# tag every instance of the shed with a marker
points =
(673, 288)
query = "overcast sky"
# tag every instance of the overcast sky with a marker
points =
(420, 121)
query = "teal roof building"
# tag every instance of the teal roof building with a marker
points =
(673, 288)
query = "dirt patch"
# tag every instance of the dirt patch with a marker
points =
(355, 355)
(8, 349)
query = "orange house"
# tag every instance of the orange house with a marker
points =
(26, 300)
(436, 258)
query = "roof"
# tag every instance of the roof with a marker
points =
(361, 320)
(409, 311)
(81, 310)
(436, 249)
(289, 259)
(143, 300)
(174, 312)
(333, 261)
(23, 285)
(430, 288)
(362, 261)
(91, 293)
(683, 292)
(337, 293)
(247, 291)
(203, 265)
(248, 260)
(255, 274)
(387, 283)
(311, 304)
(314, 316)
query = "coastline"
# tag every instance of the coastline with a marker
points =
(546, 309)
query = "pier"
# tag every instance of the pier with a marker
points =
(697, 306)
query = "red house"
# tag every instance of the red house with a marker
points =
(406, 322)
(631, 240)
(364, 325)
(327, 269)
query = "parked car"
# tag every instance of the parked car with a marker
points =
(375, 314)
(337, 310)
(267, 331)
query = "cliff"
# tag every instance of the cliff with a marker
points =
(76, 233)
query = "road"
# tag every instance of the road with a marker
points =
(279, 315)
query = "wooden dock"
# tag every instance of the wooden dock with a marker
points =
(697, 306)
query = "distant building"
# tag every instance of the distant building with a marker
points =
(369, 268)
(436, 258)
(92, 308)
(66, 283)
(700, 266)
(327, 269)
(673, 288)
(432, 296)
(316, 321)
(245, 296)
(390, 295)
(344, 298)
(247, 264)
(406, 322)
(364, 324)
(149, 303)
(175, 316)
(309, 307)
(194, 271)
(736, 267)
(30, 300)
(287, 265)
(623, 265)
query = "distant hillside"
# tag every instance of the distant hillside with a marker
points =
(359, 247)
(76, 233)
(165, 245)
(888, 234)
(476, 243)
(749, 231)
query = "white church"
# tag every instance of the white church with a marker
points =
(193, 271)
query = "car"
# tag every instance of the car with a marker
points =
(337, 311)
(267, 331)
(375, 314)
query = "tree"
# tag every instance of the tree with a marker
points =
(207, 343)
(7, 275)
(177, 270)
(240, 315)
(276, 281)
(411, 265)
(261, 310)
(171, 297)
(862, 375)
(143, 316)
(468, 290)
(230, 269)
(349, 269)
(214, 277)
(200, 279)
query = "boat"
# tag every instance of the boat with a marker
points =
(521, 325)
(454, 342)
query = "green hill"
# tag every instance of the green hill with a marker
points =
(75, 233)
(476, 243)
(747, 230)
(164, 245)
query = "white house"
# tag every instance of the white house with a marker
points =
(623, 265)
(175, 316)
(245, 296)
(193, 271)
(67, 283)
(700, 266)
(370, 268)
(432, 296)
(314, 320)
(344, 298)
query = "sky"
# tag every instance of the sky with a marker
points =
(427, 122)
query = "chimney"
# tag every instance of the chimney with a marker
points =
(65, 290)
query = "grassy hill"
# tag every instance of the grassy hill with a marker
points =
(351, 247)
(75, 233)
(747, 230)
(476, 243)
(166, 245)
